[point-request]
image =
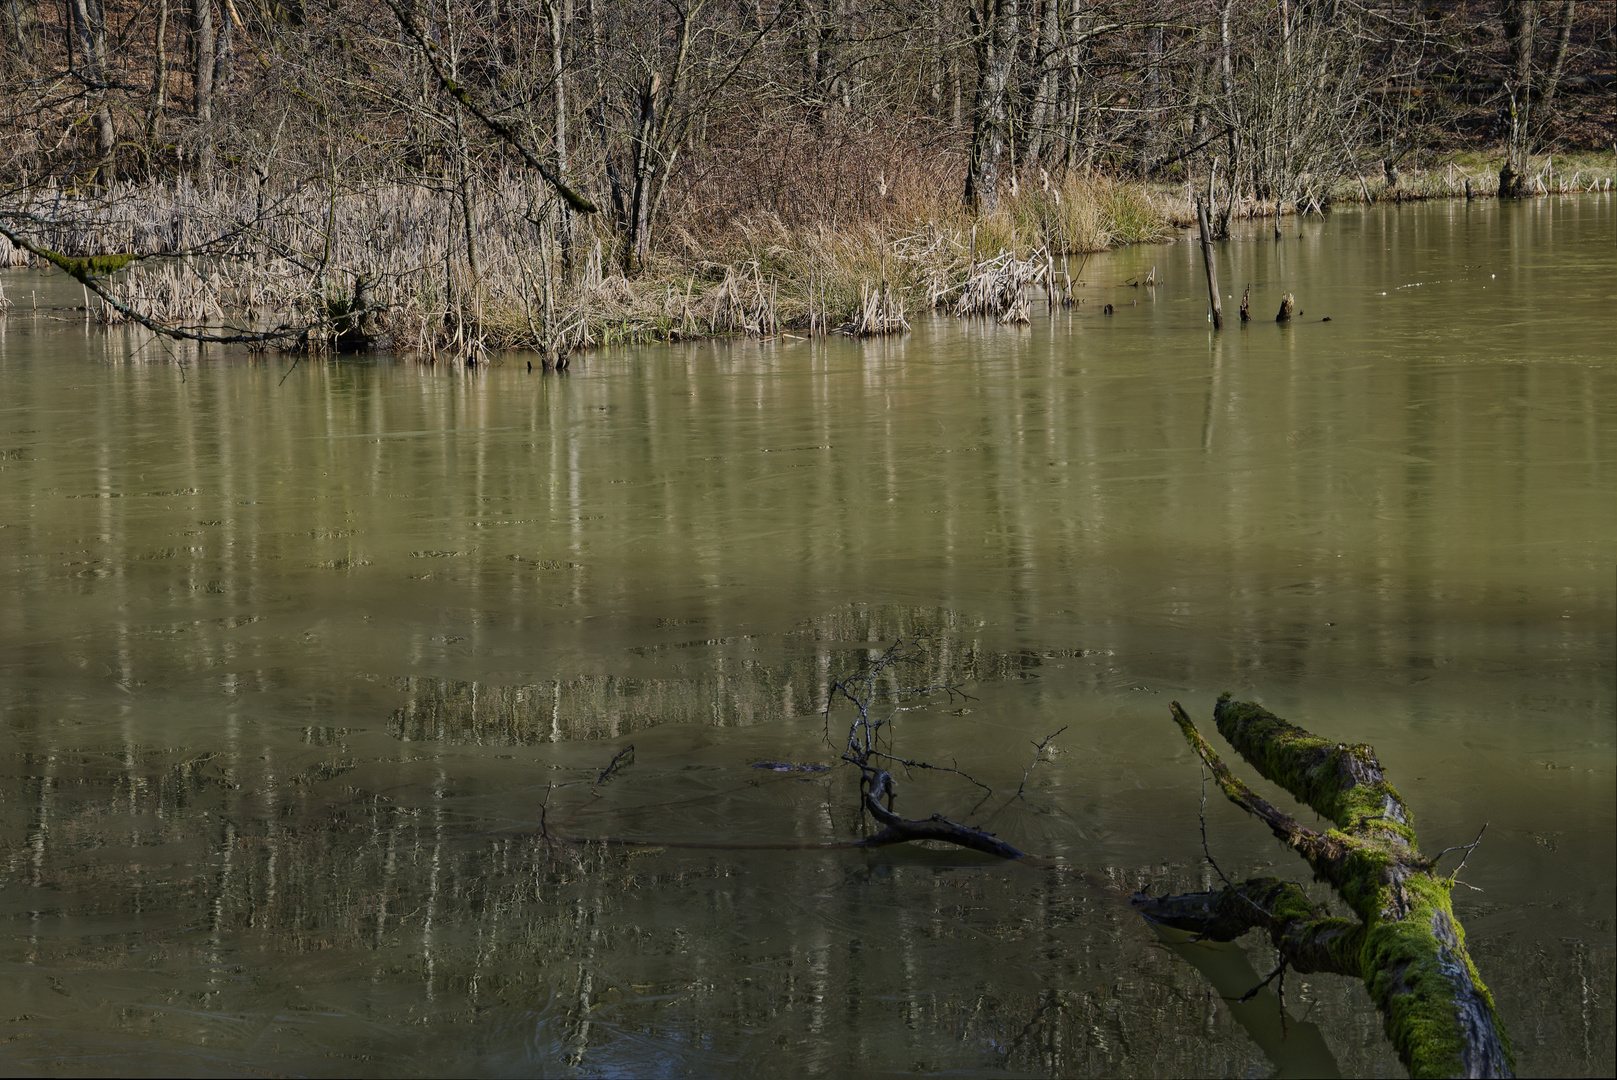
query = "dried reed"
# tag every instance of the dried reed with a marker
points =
(388, 263)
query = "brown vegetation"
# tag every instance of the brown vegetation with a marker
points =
(559, 173)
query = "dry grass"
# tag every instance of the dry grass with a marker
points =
(1450, 176)
(790, 251)
(299, 258)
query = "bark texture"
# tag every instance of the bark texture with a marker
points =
(996, 27)
(1405, 942)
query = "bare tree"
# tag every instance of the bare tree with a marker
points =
(1519, 19)
(996, 30)
(90, 70)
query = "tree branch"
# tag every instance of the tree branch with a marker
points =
(504, 131)
(1407, 945)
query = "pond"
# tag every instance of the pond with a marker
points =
(299, 660)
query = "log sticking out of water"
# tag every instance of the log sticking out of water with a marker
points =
(1246, 305)
(1287, 303)
(1207, 262)
(1406, 943)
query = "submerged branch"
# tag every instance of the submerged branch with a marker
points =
(878, 783)
(1038, 754)
(90, 271)
(1406, 945)
(875, 783)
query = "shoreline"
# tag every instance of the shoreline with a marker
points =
(373, 267)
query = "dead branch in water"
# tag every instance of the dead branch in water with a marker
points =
(1038, 755)
(878, 699)
(1405, 943)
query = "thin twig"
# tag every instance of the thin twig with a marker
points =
(1038, 751)
(613, 765)
(1467, 848)
(1280, 973)
(1201, 816)
(908, 764)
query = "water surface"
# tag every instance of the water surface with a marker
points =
(294, 659)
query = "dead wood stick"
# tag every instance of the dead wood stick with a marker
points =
(1207, 263)
(897, 830)
(1038, 748)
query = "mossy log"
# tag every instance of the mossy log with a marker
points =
(1405, 944)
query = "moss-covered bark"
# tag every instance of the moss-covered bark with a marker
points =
(1406, 945)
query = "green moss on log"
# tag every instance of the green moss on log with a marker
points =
(1408, 948)
(1339, 781)
(87, 267)
(1409, 965)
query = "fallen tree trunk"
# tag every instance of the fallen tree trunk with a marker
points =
(1406, 945)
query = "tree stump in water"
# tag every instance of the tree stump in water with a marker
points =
(1246, 305)
(352, 318)
(1512, 184)
(1286, 304)
(1213, 300)
(1406, 945)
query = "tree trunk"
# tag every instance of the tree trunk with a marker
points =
(822, 78)
(957, 95)
(1518, 18)
(1072, 80)
(996, 27)
(22, 28)
(1047, 63)
(1406, 945)
(203, 55)
(1213, 297)
(1155, 100)
(643, 168)
(559, 16)
(223, 58)
(89, 25)
(159, 102)
(1558, 65)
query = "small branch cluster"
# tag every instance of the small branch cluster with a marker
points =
(878, 699)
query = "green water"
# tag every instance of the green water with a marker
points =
(294, 658)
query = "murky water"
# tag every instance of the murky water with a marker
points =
(294, 659)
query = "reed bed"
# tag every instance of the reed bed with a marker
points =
(390, 265)
(398, 265)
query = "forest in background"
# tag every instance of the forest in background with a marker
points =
(561, 173)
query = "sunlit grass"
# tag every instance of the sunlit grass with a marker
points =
(301, 254)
